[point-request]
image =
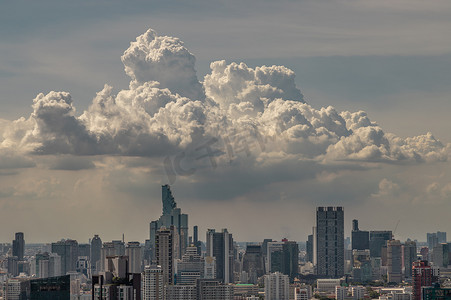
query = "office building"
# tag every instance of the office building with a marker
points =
(378, 239)
(330, 241)
(362, 270)
(309, 249)
(153, 283)
(440, 255)
(164, 251)
(19, 245)
(301, 293)
(409, 253)
(394, 261)
(360, 238)
(113, 248)
(50, 288)
(253, 263)
(134, 253)
(190, 267)
(209, 289)
(277, 286)
(96, 246)
(172, 216)
(12, 265)
(68, 251)
(220, 246)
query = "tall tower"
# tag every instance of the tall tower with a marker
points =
(360, 238)
(68, 250)
(277, 286)
(134, 253)
(164, 252)
(19, 245)
(330, 241)
(153, 283)
(172, 216)
(421, 276)
(220, 246)
(96, 245)
(409, 254)
(394, 261)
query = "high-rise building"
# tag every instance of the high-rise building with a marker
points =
(220, 246)
(432, 240)
(164, 252)
(153, 283)
(253, 262)
(290, 250)
(441, 237)
(134, 253)
(68, 251)
(362, 270)
(180, 292)
(440, 255)
(330, 241)
(378, 239)
(409, 254)
(394, 260)
(341, 292)
(19, 245)
(96, 246)
(172, 216)
(309, 248)
(277, 286)
(190, 267)
(421, 276)
(360, 238)
(114, 248)
(358, 292)
(196, 242)
(13, 265)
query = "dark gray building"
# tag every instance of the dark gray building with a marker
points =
(96, 246)
(309, 248)
(68, 250)
(330, 241)
(19, 245)
(253, 262)
(220, 246)
(378, 239)
(360, 238)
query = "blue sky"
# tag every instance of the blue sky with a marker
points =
(391, 59)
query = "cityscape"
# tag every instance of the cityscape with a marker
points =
(176, 263)
(226, 149)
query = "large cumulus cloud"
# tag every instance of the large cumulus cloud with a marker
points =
(166, 110)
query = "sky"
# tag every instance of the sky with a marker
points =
(255, 112)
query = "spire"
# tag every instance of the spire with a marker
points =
(168, 200)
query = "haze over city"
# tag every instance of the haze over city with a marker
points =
(254, 112)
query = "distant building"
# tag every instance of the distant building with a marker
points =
(341, 292)
(360, 239)
(253, 262)
(378, 239)
(96, 246)
(330, 241)
(409, 253)
(68, 251)
(180, 292)
(172, 216)
(277, 286)
(421, 276)
(134, 253)
(113, 248)
(19, 245)
(164, 251)
(209, 289)
(50, 288)
(394, 258)
(190, 267)
(153, 283)
(220, 246)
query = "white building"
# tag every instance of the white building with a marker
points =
(277, 286)
(152, 283)
(301, 293)
(358, 292)
(341, 292)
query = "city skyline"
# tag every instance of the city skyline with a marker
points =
(247, 120)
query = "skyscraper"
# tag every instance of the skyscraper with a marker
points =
(164, 252)
(19, 245)
(220, 246)
(253, 262)
(277, 286)
(96, 245)
(409, 253)
(378, 239)
(330, 241)
(153, 283)
(190, 267)
(422, 276)
(394, 255)
(360, 238)
(309, 248)
(172, 216)
(68, 251)
(134, 253)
